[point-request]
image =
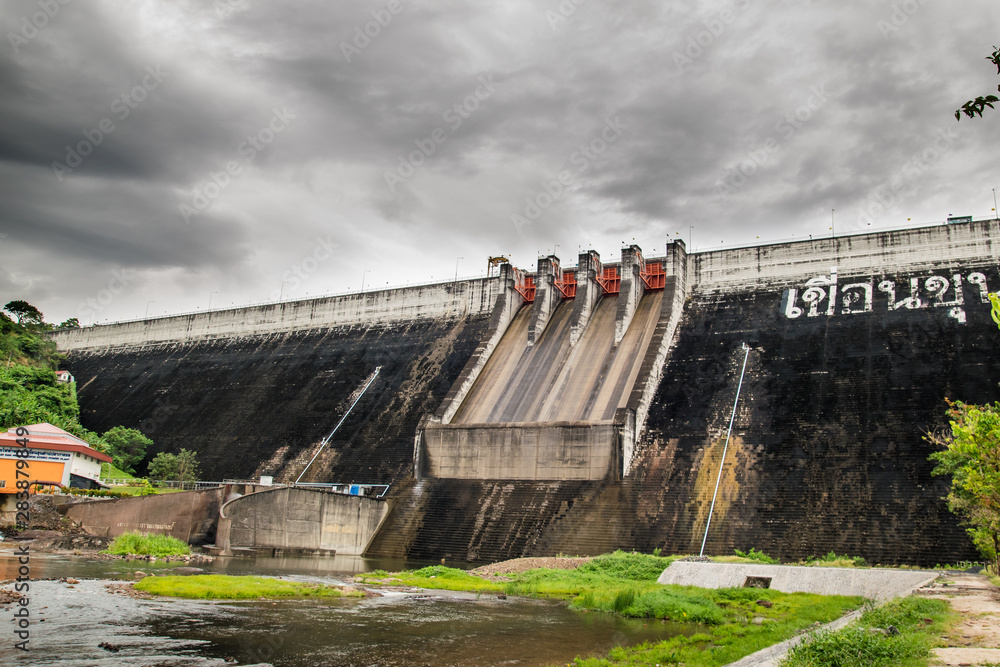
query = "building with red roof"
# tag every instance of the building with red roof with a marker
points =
(54, 457)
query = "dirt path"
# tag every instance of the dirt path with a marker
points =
(975, 638)
(497, 570)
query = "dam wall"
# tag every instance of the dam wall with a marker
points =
(854, 343)
(253, 402)
(376, 308)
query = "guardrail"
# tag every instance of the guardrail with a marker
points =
(347, 488)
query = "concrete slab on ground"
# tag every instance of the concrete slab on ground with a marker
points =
(877, 584)
(975, 637)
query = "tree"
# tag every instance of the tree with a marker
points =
(127, 447)
(71, 323)
(181, 467)
(975, 107)
(24, 312)
(971, 455)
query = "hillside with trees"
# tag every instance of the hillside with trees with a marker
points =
(31, 393)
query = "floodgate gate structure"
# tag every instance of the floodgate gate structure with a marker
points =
(581, 409)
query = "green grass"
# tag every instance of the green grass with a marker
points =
(147, 544)
(435, 576)
(109, 471)
(920, 622)
(721, 641)
(625, 584)
(225, 587)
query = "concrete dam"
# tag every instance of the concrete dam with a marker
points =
(583, 409)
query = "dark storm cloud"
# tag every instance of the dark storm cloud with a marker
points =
(742, 117)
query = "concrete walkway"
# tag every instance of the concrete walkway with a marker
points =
(975, 638)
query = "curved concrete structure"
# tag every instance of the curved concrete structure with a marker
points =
(296, 519)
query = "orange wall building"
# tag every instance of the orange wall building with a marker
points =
(55, 457)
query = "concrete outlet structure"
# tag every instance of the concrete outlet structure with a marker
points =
(301, 520)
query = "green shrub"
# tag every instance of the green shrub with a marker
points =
(663, 603)
(95, 493)
(865, 645)
(758, 556)
(147, 544)
(832, 557)
(623, 600)
(627, 565)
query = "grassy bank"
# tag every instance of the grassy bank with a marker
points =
(147, 544)
(902, 632)
(729, 623)
(225, 587)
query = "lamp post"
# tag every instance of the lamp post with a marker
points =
(691, 237)
(147, 309)
(363, 279)
(210, 300)
(281, 290)
(456, 267)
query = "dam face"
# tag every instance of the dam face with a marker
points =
(509, 425)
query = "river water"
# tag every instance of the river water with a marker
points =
(414, 628)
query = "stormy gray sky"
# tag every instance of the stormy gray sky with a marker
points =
(158, 155)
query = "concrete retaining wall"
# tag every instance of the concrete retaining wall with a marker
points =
(306, 519)
(877, 584)
(190, 516)
(542, 451)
